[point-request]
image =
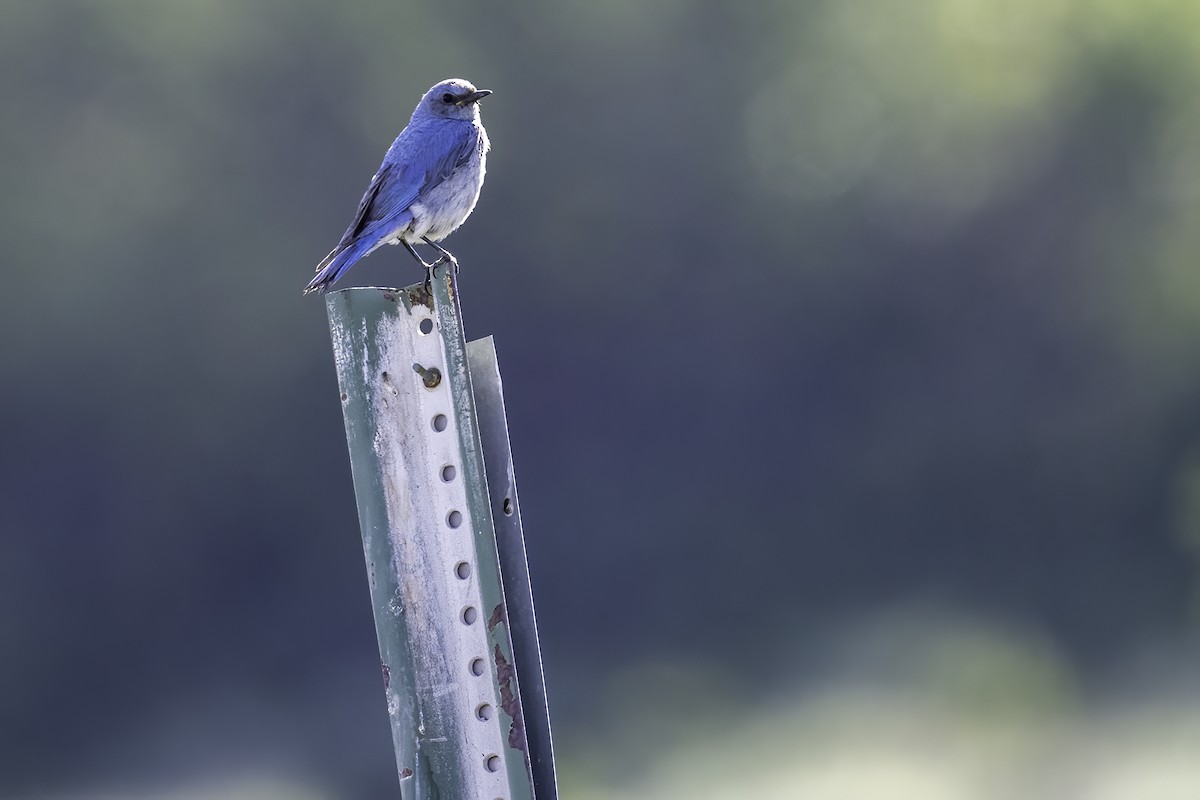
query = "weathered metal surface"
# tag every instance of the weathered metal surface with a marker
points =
(510, 541)
(429, 542)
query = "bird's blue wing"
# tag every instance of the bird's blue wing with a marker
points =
(422, 156)
(368, 211)
(424, 159)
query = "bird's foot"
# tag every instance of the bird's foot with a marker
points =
(431, 269)
(447, 256)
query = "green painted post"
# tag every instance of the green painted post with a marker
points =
(430, 545)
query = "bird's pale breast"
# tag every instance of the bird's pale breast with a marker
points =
(447, 205)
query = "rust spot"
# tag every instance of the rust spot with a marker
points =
(385, 376)
(406, 773)
(508, 701)
(430, 377)
(387, 677)
(496, 618)
(389, 296)
(345, 397)
(419, 296)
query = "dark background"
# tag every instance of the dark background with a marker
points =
(849, 351)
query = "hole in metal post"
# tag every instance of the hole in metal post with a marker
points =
(426, 326)
(492, 763)
(454, 519)
(477, 666)
(448, 473)
(507, 507)
(463, 570)
(439, 422)
(483, 711)
(469, 615)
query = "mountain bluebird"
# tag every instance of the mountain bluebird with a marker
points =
(426, 187)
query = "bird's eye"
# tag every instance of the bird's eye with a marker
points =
(448, 98)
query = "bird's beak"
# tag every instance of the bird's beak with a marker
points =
(473, 97)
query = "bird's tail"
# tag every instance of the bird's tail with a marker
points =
(336, 263)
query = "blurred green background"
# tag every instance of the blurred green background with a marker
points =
(850, 351)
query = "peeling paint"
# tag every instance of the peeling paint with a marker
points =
(506, 675)
(496, 618)
(418, 296)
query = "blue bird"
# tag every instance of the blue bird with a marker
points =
(426, 187)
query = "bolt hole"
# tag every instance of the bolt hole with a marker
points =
(426, 326)
(492, 763)
(483, 711)
(477, 667)
(448, 473)
(454, 519)
(463, 570)
(439, 422)
(507, 507)
(469, 615)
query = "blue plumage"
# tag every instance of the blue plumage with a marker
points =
(427, 185)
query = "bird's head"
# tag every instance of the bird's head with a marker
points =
(452, 99)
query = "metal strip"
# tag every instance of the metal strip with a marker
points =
(514, 568)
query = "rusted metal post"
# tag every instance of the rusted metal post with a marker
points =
(450, 672)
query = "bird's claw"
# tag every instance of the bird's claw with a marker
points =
(431, 269)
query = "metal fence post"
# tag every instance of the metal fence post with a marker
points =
(459, 725)
(510, 541)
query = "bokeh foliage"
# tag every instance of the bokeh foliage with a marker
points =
(808, 311)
